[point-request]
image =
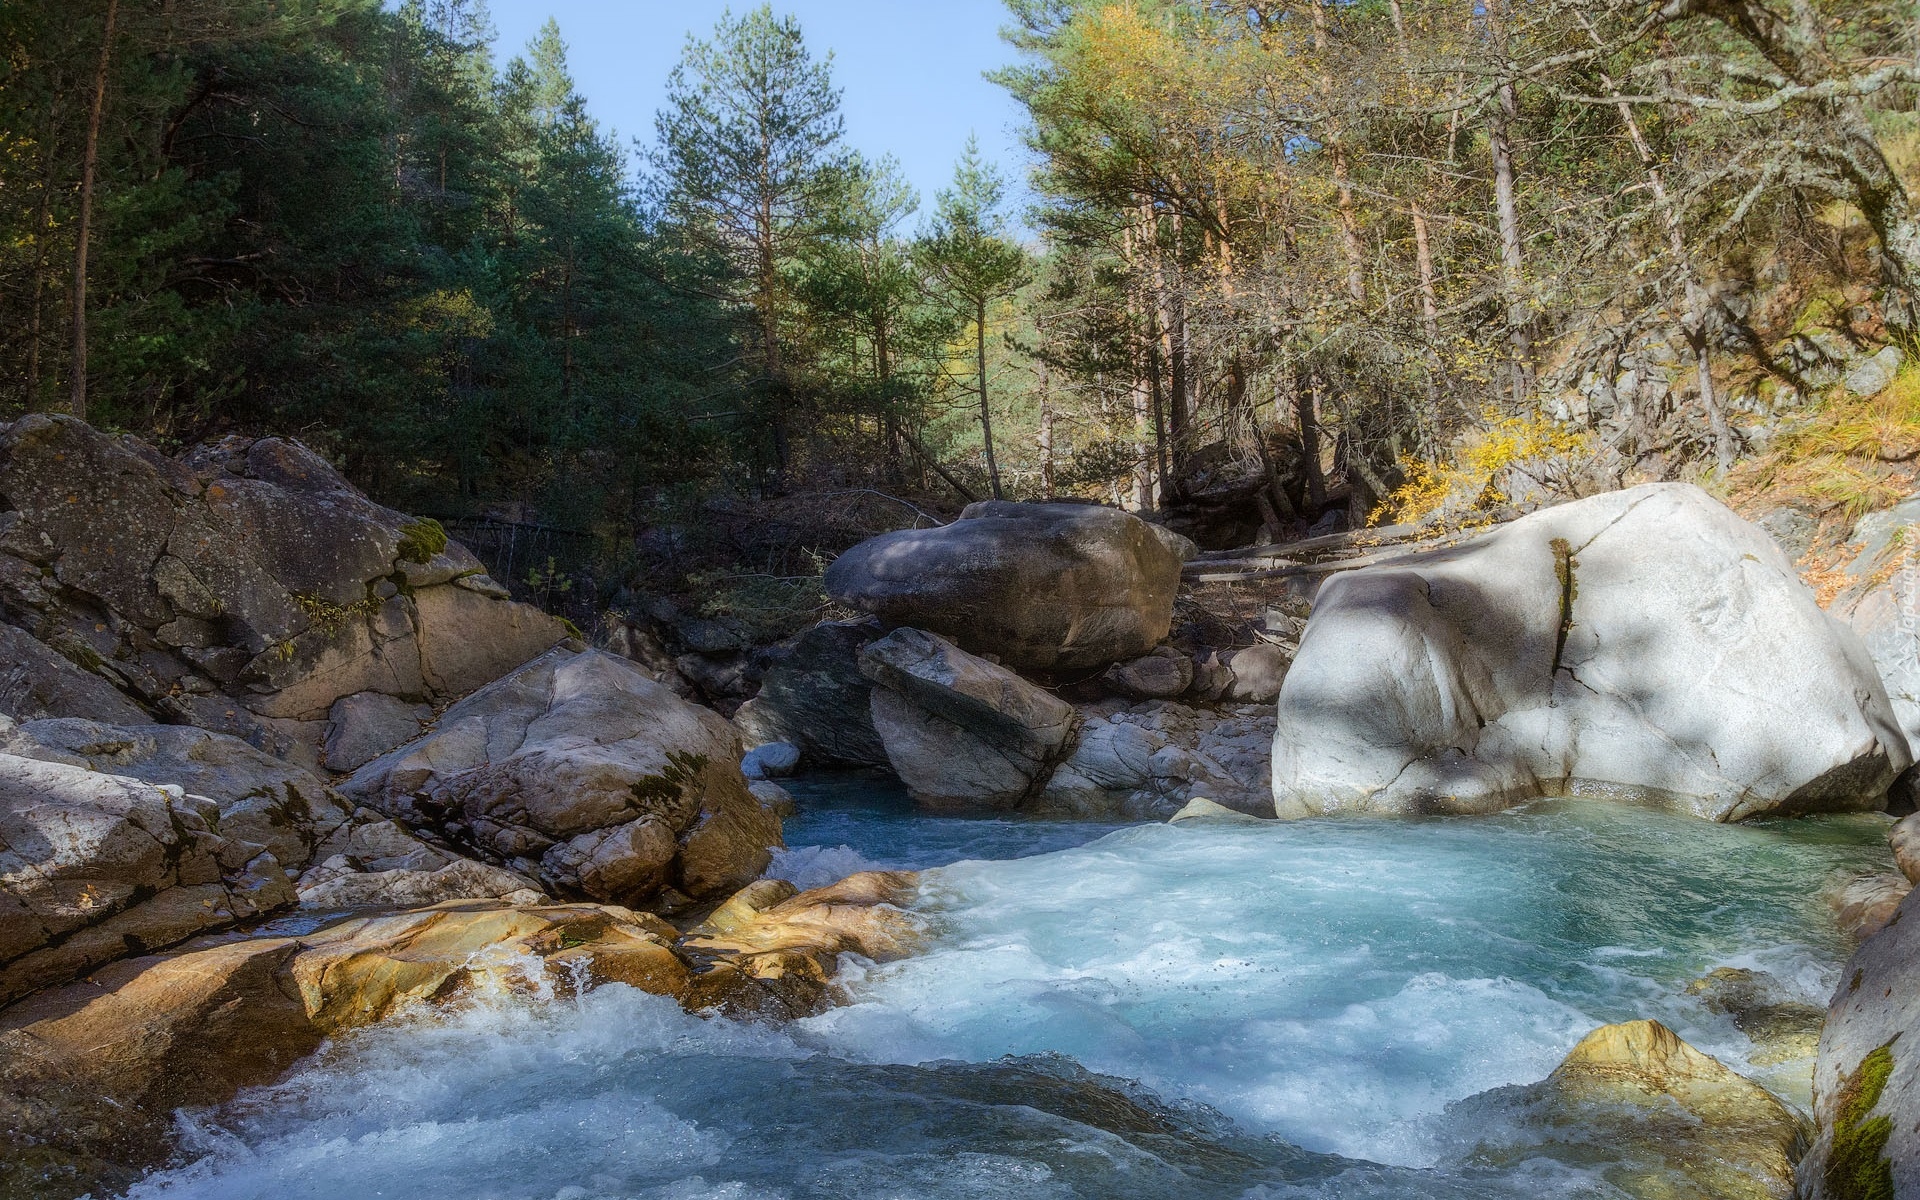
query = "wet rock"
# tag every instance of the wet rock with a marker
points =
(581, 772)
(1147, 759)
(774, 798)
(1201, 809)
(958, 730)
(745, 906)
(95, 866)
(1653, 1116)
(1904, 837)
(91, 1073)
(778, 961)
(1644, 643)
(1781, 1026)
(817, 699)
(1161, 675)
(1041, 586)
(1863, 905)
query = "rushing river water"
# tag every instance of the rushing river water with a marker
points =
(1263, 1011)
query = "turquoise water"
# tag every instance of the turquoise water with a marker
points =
(856, 821)
(1278, 1010)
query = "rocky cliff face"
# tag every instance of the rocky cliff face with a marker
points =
(245, 588)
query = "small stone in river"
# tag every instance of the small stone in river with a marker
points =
(773, 760)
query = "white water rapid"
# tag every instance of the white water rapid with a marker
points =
(1281, 1010)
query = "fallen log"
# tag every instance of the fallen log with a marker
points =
(1313, 545)
(1236, 571)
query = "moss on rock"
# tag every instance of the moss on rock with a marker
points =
(421, 539)
(1857, 1167)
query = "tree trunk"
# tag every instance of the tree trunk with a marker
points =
(1171, 302)
(1306, 412)
(38, 283)
(1342, 185)
(1046, 436)
(1511, 263)
(89, 160)
(986, 414)
(1697, 301)
(883, 374)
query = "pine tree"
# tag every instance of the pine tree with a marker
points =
(973, 263)
(749, 161)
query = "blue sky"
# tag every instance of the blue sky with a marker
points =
(910, 69)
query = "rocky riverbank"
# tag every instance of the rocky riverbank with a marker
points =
(239, 693)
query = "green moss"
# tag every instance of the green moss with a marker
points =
(573, 630)
(421, 539)
(1857, 1166)
(329, 618)
(665, 788)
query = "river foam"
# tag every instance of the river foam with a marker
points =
(1267, 1011)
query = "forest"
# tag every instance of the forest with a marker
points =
(1293, 266)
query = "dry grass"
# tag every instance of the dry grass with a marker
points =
(1848, 458)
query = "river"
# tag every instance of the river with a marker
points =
(1232, 1010)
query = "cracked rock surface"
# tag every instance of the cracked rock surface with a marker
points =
(243, 588)
(1646, 644)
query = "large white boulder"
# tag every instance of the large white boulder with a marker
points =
(1646, 644)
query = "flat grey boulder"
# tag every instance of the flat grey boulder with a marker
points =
(1041, 586)
(257, 798)
(36, 682)
(960, 731)
(1866, 1079)
(1646, 644)
(95, 866)
(579, 771)
(365, 725)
